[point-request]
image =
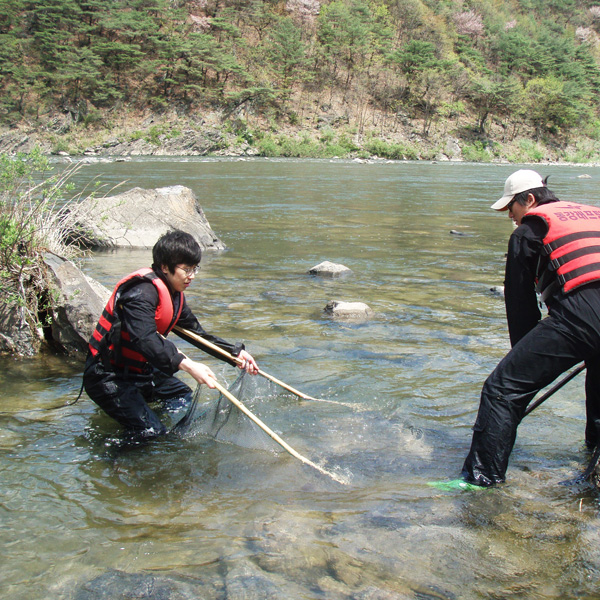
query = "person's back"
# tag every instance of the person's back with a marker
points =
(542, 349)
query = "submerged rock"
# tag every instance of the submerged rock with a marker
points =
(595, 477)
(9, 439)
(137, 219)
(248, 582)
(118, 585)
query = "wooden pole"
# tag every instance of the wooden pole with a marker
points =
(192, 337)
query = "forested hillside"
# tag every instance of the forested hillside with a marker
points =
(395, 78)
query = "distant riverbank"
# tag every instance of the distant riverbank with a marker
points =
(328, 136)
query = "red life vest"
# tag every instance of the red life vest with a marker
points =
(572, 243)
(120, 351)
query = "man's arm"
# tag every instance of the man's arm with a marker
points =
(187, 320)
(522, 308)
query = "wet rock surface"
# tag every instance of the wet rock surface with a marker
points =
(119, 585)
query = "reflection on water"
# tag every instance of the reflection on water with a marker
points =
(85, 516)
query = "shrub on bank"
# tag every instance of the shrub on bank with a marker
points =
(34, 218)
(392, 151)
(303, 147)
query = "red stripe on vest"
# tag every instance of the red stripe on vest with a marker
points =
(572, 241)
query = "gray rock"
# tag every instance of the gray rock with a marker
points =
(191, 142)
(452, 149)
(66, 303)
(348, 310)
(329, 269)
(137, 218)
(119, 585)
(13, 141)
(16, 335)
(245, 581)
(77, 302)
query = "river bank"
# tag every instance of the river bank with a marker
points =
(321, 135)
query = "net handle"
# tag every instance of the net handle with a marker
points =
(193, 337)
(273, 435)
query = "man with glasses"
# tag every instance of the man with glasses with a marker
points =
(554, 251)
(130, 361)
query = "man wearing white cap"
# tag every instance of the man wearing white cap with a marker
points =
(555, 251)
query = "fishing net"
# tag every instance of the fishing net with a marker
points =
(222, 420)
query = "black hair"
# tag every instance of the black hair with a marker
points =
(542, 195)
(175, 248)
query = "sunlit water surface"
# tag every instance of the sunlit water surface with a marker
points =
(188, 517)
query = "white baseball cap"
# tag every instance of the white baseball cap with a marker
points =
(519, 181)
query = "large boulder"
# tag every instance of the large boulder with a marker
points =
(137, 218)
(76, 304)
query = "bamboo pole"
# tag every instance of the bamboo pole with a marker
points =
(191, 336)
(273, 435)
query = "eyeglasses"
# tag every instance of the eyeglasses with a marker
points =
(510, 204)
(189, 271)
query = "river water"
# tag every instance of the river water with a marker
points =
(188, 517)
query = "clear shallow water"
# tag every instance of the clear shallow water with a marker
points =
(189, 517)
